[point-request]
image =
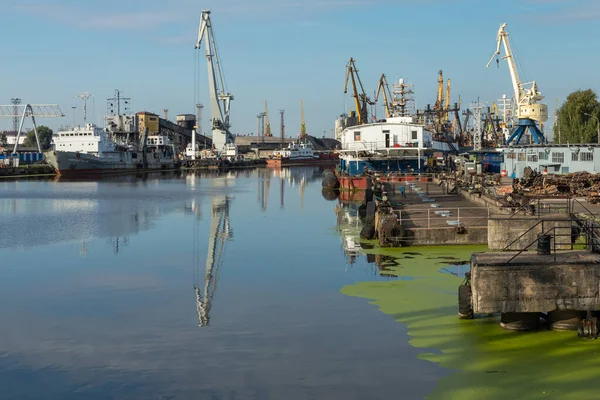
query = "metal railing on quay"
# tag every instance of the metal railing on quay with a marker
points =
(475, 217)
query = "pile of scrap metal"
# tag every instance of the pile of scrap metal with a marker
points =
(581, 184)
(472, 183)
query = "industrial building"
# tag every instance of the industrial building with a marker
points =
(551, 159)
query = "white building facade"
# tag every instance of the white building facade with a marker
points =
(551, 159)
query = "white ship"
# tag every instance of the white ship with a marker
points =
(89, 150)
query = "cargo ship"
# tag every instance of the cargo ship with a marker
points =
(299, 154)
(89, 150)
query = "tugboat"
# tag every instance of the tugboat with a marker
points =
(295, 154)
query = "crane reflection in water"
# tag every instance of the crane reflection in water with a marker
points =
(220, 233)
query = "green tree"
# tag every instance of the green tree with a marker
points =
(44, 134)
(577, 118)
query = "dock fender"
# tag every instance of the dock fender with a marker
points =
(465, 302)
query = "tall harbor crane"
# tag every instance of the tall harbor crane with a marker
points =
(220, 99)
(387, 97)
(220, 232)
(527, 95)
(361, 100)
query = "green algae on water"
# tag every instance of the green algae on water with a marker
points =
(491, 363)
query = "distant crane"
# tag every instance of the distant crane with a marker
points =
(361, 100)
(526, 98)
(267, 123)
(220, 99)
(302, 123)
(387, 97)
(23, 111)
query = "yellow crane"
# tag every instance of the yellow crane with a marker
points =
(302, 123)
(361, 100)
(439, 102)
(447, 101)
(267, 123)
(385, 88)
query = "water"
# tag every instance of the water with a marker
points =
(98, 279)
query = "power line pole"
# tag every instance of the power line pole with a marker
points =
(84, 96)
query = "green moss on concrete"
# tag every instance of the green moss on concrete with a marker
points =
(490, 363)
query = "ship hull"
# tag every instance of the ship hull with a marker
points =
(67, 163)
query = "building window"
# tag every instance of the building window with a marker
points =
(558, 157)
(414, 135)
(574, 156)
(357, 136)
(395, 140)
(521, 157)
(510, 156)
(565, 170)
(543, 155)
(532, 157)
(585, 156)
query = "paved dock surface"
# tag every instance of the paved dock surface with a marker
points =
(426, 205)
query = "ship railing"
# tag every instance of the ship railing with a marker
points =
(382, 145)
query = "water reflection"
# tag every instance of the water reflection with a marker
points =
(220, 232)
(349, 226)
(292, 177)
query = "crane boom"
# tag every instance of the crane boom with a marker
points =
(385, 88)
(220, 99)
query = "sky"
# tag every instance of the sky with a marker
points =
(285, 51)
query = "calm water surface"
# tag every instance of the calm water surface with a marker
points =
(203, 286)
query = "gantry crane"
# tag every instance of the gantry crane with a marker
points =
(526, 97)
(220, 232)
(387, 97)
(32, 111)
(220, 99)
(361, 100)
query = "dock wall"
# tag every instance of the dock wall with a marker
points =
(445, 236)
(535, 284)
(502, 230)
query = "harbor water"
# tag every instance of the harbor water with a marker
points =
(99, 284)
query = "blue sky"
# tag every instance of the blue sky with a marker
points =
(287, 50)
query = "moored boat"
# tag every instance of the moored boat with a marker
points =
(299, 154)
(89, 150)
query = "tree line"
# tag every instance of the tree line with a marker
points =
(44, 134)
(578, 118)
